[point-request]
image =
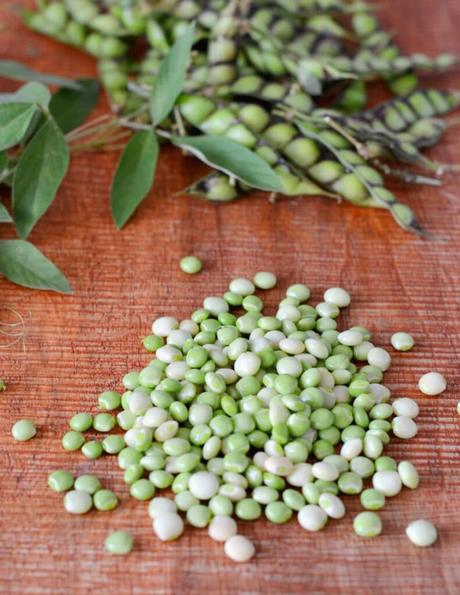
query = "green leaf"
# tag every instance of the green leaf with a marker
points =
(15, 119)
(29, 93)
(19, 72)
(233, 159)
(25, 265)
(171, 76)
(5, 217)
(71, 107)
(134, 175)
(39, 173)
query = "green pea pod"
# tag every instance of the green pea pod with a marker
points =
(305, 8)
(250, 125)
(217, 187)
(368, 66)
(371, 36)
(370, 180)
(353, 98)
(397, 114)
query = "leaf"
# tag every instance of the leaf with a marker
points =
(134, 175)
(29, 93)
(25, 265)
(71, 107)
(19, 72)
(39, 173)
(15, 119)
(171, 76)
(5, 217)
(233, 159)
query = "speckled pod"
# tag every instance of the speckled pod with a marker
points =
(372, 37)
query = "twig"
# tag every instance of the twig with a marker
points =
(406, 176)
(360, 147)
(18, 337)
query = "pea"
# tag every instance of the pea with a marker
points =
(105, 500)
(119, 543)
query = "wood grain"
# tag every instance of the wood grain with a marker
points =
(76, 346)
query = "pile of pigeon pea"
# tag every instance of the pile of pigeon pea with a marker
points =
(244, 415)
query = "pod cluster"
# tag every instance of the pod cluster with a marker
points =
(243, 414)
(258, 71)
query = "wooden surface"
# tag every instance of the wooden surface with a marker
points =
(77, 346)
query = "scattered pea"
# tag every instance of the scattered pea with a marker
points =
(109, 400)
(119, 543)
(77, 502)
(312, 518)
(60, 481)
(23, 430)
(104, 422)
(191, 265)
(142, 489)
(92, 449)
(422, 533)
(87, 483)
(239, 549)
(81, 422)
(105, 500)
(372, 499)
(222, 528)
(168, 526)
(402, 341)
(264, 280)
(367, 524)
(73, 440)
(432, 383)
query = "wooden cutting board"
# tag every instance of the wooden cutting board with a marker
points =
(76, 346)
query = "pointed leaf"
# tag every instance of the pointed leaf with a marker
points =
(19, 72)
(171, 75)
(38, 175)
(233, 159)
(29, 93)
(71, 107)
(25, 265)
(134, 175)
(15, 119)
(5, 217)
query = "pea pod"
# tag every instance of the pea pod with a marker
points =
(365, 179)
(373, 37)
(397, 114)
(353, 97)
(309, 7)
(256, 87)
(248, 125)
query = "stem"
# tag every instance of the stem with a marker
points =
(134, 125)
(406, 176)
(163, 133)
(16, 336)
(75, 133)
(179, 121)
(95, 147)
(90, 128)
(360, 147)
